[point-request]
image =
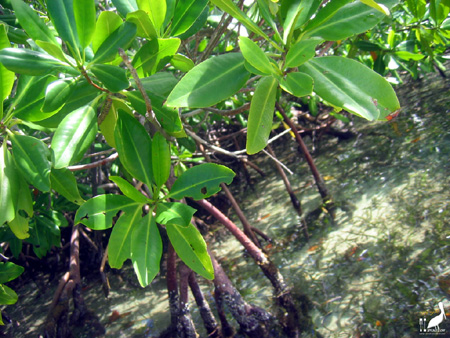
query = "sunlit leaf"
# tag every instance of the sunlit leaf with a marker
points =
(113, 78)
(160, 159)
(9, 186)
(6, 76)
(73, 137)
(201, 181)
(255, 56)
(210, 82)
(107, 23)
(57, 94)
(7, 295)
(186, 13)
(32, 158)
(143, 23)
(125, 6)
(174, 213)
(298, 84)
(24, 211)
(128, 189)
(85, 16)
(9, 271)
(261, 114)
(301, 52)
(64, 183)
(156, 10)
(146, 250)
(191, 248)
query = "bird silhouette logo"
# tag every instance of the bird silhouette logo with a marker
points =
(433, 324)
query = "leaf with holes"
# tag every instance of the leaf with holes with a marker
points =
(201, 181)
(191, 248)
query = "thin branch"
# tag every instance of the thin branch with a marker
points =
(86, 76)
(94, 164)
(218, 149)
(278, 161)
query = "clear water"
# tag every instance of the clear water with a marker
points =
(383, 264)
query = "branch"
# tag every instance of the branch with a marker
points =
(111, 158)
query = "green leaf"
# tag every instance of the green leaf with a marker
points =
(57, 94)
(160, 159)
(125, 6)
(9, 271)
(291, 10)
(113, 78)
(301, 52)
(7, 295)
(20, 224)
(85, 16)
(154, 55)
(201, 181)
(156, 10)
(298, 84)
(264, 10)
(6, 76)
(30, 21)
(409, 56)
(30, 97)
(159, 84)
(29, 62)
(182, 63)
(353, 18)
(379, 7)
(325, 14)
(260, 117)
(146, 250)
(64, 183)
(344, 83)
(128, 189)
(186, 13)
(174, 213)
(73, 137)
(210, 82)
(255, 56)
(9, 185)
(120, 38)
(191, 248)
(52, 49)
(143, 23)
(31, 157)
(107, 23)
(134, 146)
(119, 245)
(197, 25)
(62, 16)
(98, 212)
(229, 7)
(307, 9)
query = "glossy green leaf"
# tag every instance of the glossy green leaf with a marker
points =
(379, 7)
(6, 76)
(107, 23)
(24, 211)
(146, 250)
(260, 117)
(73, 137)
(191, 248)
(301, 52)
(128, 189)
(351, 19)
(32, 159)
(57, 94)
(98, 212)
(409, 56)
(134, 146)
(308, 9)
(125, 6)
(186, 13)
(264, 10)
(143, 23)
(63, 181)
(291, 11)
(156, 10)
(113, 78)
(160, 159)
(182, 63)
(344, 83)
(62, 15)
(210, 82)
(9, 271)
(29, 62)
(201, 181)
(9, 185)
(30, 97)
(159, 84)
(255, 55)
(7, 295)
(298, 84)
(120, 38)
(32, 23)
(52, 49)
(197, 25)
(154, 55)
(85, 16)
(119, 245)
(174, 213)
(325, 14)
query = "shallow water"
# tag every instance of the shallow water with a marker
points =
(377, 270)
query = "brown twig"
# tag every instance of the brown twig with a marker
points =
(110, 158)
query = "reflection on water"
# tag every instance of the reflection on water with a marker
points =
(383, 264)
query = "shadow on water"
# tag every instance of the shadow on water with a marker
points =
(375, 273)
